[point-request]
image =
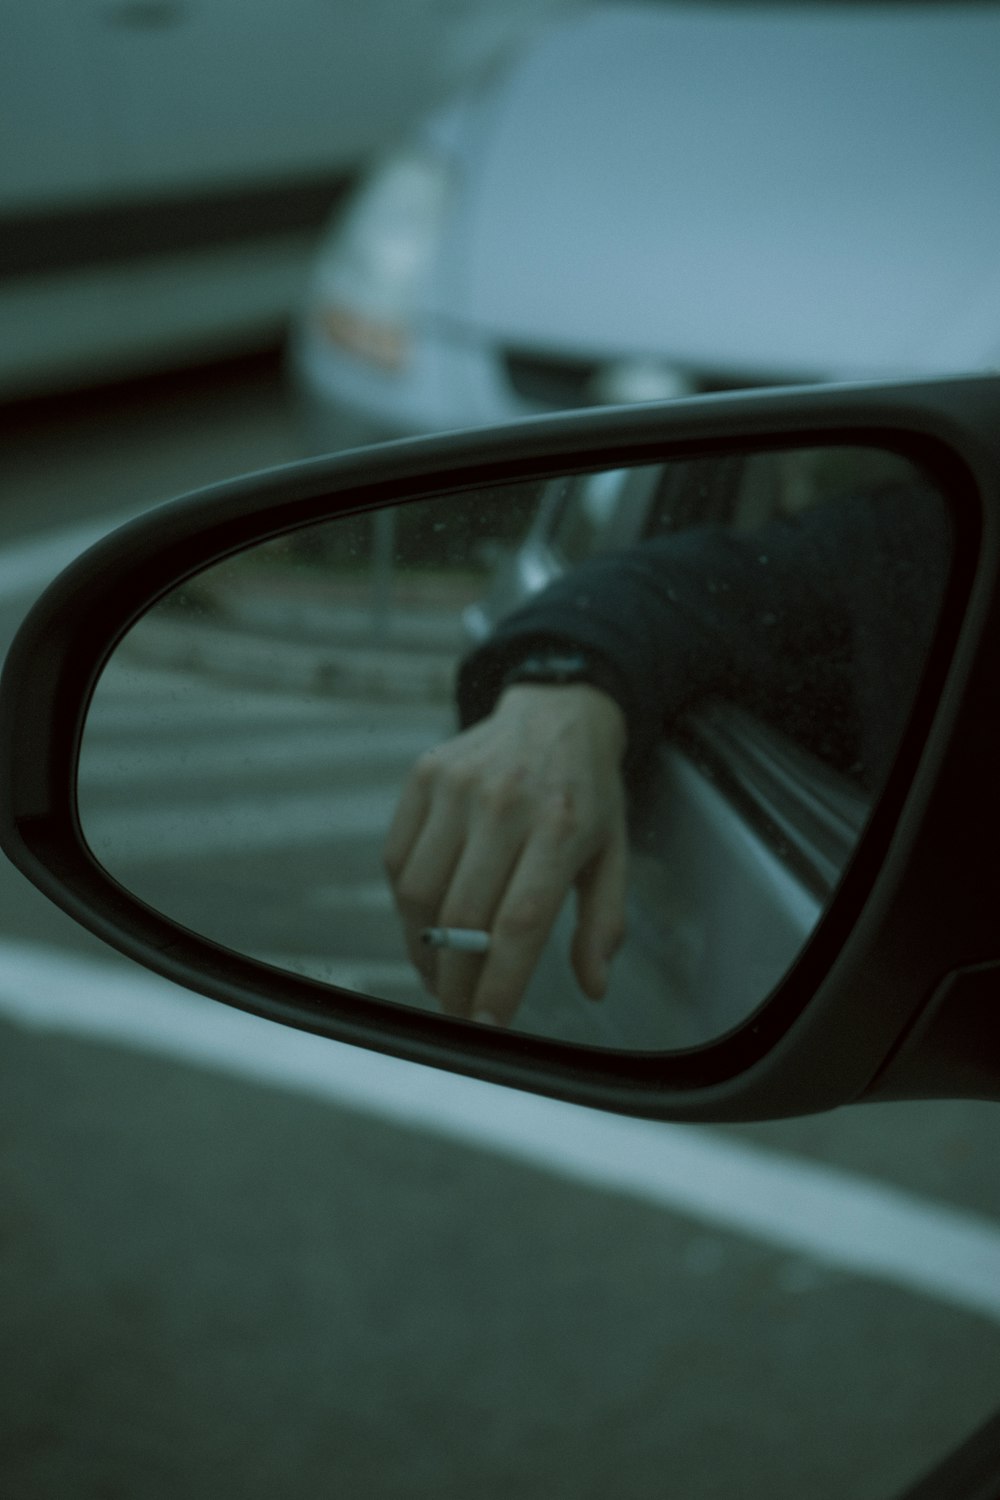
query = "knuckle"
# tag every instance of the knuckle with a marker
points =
(562, 817)
(426, 767)
(457, 778)
(437, 772)
(462, 783)
(525, 918)
(503, 795)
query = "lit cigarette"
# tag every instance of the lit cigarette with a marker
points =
(456, 939)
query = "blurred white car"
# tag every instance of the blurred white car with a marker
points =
(170, 163)
(663, 199)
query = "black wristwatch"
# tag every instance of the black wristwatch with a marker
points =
(560, 667)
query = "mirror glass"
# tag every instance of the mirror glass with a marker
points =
(682, 687)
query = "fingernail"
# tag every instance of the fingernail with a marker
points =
(603, 975)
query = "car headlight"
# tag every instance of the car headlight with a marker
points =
(375, 261)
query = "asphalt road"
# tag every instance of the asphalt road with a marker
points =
(238, 1260)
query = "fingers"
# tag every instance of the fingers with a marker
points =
(492, 830)
(524, 918)
(600, 924)
(493, 861)
(421, 850)
(453, 842)
(496, 842)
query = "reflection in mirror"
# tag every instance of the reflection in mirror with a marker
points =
(682, 686)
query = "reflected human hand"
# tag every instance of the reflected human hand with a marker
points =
(492, 830)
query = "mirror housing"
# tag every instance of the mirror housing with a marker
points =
(892, 997)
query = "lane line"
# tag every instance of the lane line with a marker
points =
(120, 767)
(391, 979)
(840, 1218)
(27, 566)
(125, 696)
(236, 825)
(187, 708)
(363, 895)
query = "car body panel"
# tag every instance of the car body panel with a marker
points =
(730, 196)
(715, 919)
(157, 141)
(813, 190)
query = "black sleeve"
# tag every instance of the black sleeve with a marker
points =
(767, 619)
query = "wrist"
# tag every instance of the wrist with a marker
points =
(589, 706)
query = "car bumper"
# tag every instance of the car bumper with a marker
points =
(448, 383)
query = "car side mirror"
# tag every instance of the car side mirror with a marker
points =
(222, 719)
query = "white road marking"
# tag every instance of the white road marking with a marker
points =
(390, 979)
(844, 1220)
(27, 566)
(125, 697)
(236, 825)
(364, 895)
(841, 1219)
(361, 747)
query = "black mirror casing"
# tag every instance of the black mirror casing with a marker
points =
(895, 995)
